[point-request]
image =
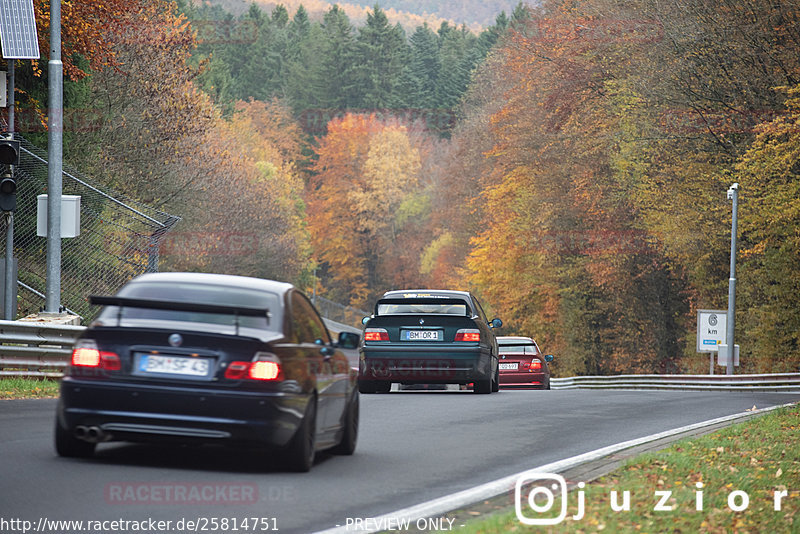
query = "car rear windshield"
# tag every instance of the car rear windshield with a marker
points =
(518, 349)
(411, 308)
(201, 294)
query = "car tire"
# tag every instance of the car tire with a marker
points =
(347, 446)
(496, 381)
(300, 453)
(69, 446)
(482, 387)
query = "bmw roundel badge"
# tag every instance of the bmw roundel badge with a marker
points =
(175, 340)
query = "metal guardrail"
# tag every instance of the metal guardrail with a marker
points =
(35, 350)
(757, 382)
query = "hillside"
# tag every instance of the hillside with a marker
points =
(482, 12)
(476, 14)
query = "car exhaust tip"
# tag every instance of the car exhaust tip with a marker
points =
(96, 434)
(81, 431)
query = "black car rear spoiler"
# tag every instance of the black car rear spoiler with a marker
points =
(425, 300)
(154, 304)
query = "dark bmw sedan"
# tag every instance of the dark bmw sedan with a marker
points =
(428, 337)
(206, 358)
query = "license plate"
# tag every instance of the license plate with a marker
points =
(176, 365)
(421, 335)
(509, 366)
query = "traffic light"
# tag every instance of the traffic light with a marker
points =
(9, 156)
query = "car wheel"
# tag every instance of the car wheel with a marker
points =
(69, 446)
(496, 381)
(300, 453)
(350, 435)
(483, 387)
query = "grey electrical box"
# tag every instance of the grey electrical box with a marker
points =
(722, 356)
(70, 215)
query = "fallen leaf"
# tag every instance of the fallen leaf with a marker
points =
(779, 472)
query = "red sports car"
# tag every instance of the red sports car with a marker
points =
(522, 364)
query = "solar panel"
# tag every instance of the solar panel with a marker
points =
(18, 30)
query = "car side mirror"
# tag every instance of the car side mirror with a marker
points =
(548, 358)
(496, 323)
(348, 340)
(365, 320)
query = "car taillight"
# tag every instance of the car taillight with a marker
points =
(264, 371)
(468, 334)
(86, 354)
(376, 334)
(265, 367)
(86, 357)
(536, 365)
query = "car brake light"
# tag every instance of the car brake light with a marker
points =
(536, 365)
(265, 367)
(86, 354)
(376, 334)
(264, 371)
(468, 334)
(86, 357)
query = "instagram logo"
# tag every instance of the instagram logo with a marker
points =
(541, 491)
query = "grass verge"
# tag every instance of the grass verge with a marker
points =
(745, 478)
(28, 388)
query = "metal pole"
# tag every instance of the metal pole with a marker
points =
(10, 305)
(733, 194)
(54, 164)
(10, 281)
(11, 97)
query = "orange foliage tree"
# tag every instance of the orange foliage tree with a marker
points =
(163, 141)
(367, 204)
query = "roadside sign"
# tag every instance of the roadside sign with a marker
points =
(711, 329)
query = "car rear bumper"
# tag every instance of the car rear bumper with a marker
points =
(523, 380)
(423, 364)
(132, 412)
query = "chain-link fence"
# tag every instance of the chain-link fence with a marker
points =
(119, 238)
(339, 312)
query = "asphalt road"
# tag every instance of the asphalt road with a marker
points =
(414, 446)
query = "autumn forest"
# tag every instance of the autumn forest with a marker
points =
(568, 163)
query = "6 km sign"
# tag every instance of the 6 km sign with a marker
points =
(711, 329)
